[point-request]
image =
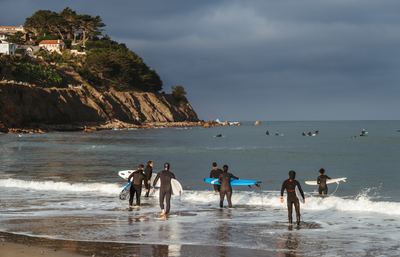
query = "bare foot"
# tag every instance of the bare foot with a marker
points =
(162, 213)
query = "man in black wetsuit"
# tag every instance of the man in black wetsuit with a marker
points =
(148, 172)
(226, 189)
(166, 189)
(215, 174)
(292, 199)
(322, 182)
(136, 187)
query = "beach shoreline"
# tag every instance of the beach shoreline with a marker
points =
(15, 245)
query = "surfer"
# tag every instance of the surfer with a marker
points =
(290, 185)
(215, 174)
(136, 187)
(309, 134)
(148, 172)
(304, 133)
(165, 189)
(323, 187)
(277, 133)
(226, 189)
(267, 133)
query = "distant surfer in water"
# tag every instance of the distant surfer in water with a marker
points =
(322, 182)
(267, 133)
(226, 189)
(304, 133)
(148, 172)
(136, 187)
(215, 174)
(166, 189)
(277, 133)
(292, 199)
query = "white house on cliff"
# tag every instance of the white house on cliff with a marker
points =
(52, 45)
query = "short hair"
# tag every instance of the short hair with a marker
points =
(322, 171)
(215, 164)
(141, 166)
(225, 168)
(149, 162)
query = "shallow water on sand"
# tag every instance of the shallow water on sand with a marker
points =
(65, 186)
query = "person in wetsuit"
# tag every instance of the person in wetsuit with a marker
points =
(226, 189)
(136, 187)
(148, 172)
(215, 174)
(292, 199)
(322, 182)
(166, 189)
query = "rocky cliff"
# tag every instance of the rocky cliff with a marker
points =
(24, 105)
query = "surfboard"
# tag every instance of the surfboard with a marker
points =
(234, 182)
(126, 173)
(176, 186)
(298, 194)
(328, 181)
(124, 195)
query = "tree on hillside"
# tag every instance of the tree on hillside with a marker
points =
(90, 26)
(16, 38)
(179, 93)
(71, 25)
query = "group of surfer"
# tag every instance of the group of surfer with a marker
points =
(363, 133)
(224, 188)
(139, 176)
(303, 134)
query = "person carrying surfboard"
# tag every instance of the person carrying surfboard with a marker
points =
(165, 189)
(292, 199)
(148, 172)
(321, 181)
(215, 174)
(226, 189)
(136, 188)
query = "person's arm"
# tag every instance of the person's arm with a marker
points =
(301, 192)
(319, 180)
(328, 177)
(282, 190)
(233, 176)
(155, 181)
(130, 177)
(220, 179)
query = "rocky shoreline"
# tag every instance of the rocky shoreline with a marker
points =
(89, 127)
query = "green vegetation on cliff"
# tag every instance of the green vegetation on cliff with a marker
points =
(106, 64)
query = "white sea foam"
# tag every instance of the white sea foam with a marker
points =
(106, 188)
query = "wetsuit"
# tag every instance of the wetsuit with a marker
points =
(292, 199)
(148, 172)
(215, 174)
(322, 184)
(226, 189)
(136, 187)
(165, 190)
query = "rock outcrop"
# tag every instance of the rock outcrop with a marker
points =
(27, 106)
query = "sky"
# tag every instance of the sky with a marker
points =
(266, 60)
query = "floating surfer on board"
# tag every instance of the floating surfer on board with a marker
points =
(323, 187)
(136, 188)
(148, 172)
(165, 189)
(226, 189)
(215, 174)
(290, 186)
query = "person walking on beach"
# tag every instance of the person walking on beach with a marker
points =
(215, 174)
(136, 187)
(226, 188)
(292, 199)
(165, 189)
(148, 172)
(323, 187)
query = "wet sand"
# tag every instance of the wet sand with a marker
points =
(13, 245)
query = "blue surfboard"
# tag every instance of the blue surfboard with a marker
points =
(234, 182)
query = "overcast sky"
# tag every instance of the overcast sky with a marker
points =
(267, 60)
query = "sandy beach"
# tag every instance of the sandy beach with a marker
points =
(13, 245)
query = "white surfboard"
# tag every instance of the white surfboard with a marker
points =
(328, 181)
(298, 194)
(126, 173)
(176, 186)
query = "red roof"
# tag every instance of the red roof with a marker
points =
(49, 42)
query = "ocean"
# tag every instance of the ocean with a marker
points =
(66, 186)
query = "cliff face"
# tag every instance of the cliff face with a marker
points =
(21, 105)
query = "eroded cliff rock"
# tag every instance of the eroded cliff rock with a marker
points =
(23, 105)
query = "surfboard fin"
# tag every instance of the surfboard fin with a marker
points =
(249, 186)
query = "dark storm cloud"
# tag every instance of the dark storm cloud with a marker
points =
(260, 60)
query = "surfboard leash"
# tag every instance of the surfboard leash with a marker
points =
(262, 198)
(336, 188)
(179, 209)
